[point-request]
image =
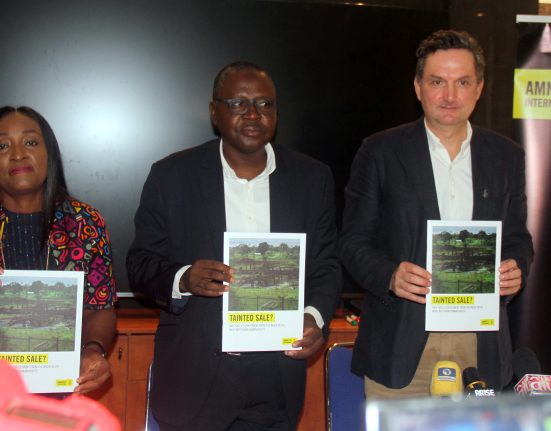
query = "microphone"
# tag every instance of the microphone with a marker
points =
(446, 379)
(474, 385)
(527, 369)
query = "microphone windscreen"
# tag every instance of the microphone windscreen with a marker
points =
(525, 362)
(472, 380)
(446, 379)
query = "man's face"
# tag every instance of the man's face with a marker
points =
(249, 132)
(448, 90)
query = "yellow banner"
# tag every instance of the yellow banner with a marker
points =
(25, 359)
(487, 322)
(453, 300)
(251, 317)
(532, 94)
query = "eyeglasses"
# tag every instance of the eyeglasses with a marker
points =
(242, 106)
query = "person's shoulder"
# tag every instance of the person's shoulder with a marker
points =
(189, 156)
(389, 139)
(78, 210)
(496, 140)
(405, 128)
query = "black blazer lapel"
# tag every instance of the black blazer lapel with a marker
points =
(280, 203)
(211, 183)
(483, 172)
(415, 159)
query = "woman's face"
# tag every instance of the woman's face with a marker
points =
(23, 159)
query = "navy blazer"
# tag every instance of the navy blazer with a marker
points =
(389, 198)
(181, 218)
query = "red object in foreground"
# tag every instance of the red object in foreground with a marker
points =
(20, 411)
(534, 384)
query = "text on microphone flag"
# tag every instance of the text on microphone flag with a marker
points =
(447, 374)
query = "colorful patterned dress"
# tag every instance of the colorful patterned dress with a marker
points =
(79, 241)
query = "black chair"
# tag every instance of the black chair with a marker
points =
(344, 391)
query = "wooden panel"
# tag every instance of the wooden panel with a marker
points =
(113, 395)
(140, 356)
(129, 360)
(136, 402)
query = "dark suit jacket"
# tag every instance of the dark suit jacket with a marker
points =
(389, 198)
(181, 218)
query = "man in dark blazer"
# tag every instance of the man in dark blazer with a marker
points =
(438, 167)
(239, 182)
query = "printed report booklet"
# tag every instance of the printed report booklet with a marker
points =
(40, 327)
(264, 308)
(463, 258)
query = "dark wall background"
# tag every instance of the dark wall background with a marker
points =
(126, 83)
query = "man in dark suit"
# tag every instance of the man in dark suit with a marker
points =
(438, 167)
(237, 183)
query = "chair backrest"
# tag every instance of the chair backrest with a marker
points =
(150, 422)
(344, 391)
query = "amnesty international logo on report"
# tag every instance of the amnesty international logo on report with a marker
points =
(532, 94)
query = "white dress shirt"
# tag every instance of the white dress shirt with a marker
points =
(453, 178)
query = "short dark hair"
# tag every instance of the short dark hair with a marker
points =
(449, 39)
(236, 67)
(56, 187)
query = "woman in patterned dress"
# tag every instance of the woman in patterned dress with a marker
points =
(43, 227)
